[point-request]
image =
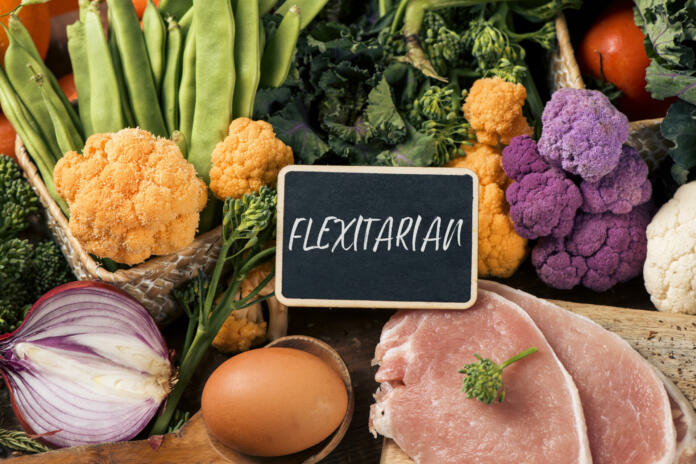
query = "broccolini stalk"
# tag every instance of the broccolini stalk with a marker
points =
(484, 379)
(413, 14)
(247, 224)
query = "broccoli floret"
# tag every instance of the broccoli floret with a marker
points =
(15, 256)
(49, 268)
(17, 200)
(26, 273)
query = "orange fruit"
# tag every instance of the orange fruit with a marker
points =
(36, 18)
(140, 6)
(67, 83)
(7, 138)
(59, 7)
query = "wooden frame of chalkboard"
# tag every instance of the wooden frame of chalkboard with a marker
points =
(324, 301)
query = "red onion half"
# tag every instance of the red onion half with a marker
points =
(87, 365)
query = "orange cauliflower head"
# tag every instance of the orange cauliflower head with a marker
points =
(500, 249)
(250, 156)
(131, 195)
(493, 107)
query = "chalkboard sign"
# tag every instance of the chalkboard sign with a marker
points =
(389, 237)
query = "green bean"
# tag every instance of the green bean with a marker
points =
(187, 86)
(105, 97)
(262, 36)
(19, 75)
(21, 35)
(155, 33)
(186, 21)
(175, 8)
(309, 9)
(280, 48)
(128, 118)
(180, 140)
(172, 73)
(83, 4)
(265, 6)
(247, 56)
(215, 76)
(77, 48)
(27, 128)
(142, 93)
(67, 135)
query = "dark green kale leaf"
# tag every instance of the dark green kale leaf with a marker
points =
(679, 127)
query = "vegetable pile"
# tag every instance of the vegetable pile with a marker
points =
(353, 96)
(582, 192)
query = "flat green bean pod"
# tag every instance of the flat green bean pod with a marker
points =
(141, 88)
(187, 87)
(215, 80)
(266, 5)
(186, 21)
(172, 73)
(21, 35)
(105, 98)
(27, 129)
(247, 56)
(128, 117)
(309, 9)
(77, 48)
(20, 77)
(66, 134)
(280, 48)
(175, 8)
(155, 33)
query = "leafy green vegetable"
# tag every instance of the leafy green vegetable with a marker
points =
(484, 379)
(248, 224)
(670, 29)
(679, 127)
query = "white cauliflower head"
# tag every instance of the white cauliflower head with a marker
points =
(670, 266)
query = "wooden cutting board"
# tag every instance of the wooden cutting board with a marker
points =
(667, 340)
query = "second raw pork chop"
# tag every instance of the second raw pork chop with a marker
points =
(626, 407)
(421, 406)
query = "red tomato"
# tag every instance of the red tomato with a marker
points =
(619, 42)
(7, 137)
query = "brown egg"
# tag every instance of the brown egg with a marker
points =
(273, 401)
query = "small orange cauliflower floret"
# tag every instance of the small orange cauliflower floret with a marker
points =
(500, 249)
(131, 195)
(494, 110)
(249, 157)
(246, 327)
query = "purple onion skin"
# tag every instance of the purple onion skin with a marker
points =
(8, 359)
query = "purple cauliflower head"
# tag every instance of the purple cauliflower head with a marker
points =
(543, 204)
(521, 157)
(620, 190)
(582, 133)
(601, 251)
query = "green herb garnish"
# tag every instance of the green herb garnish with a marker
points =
(484, 379)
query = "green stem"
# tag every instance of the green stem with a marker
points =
(188, 367)
(518, 356)
(536, 106)
(384, 7)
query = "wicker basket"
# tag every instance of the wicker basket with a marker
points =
(645, 135)
(150, 282)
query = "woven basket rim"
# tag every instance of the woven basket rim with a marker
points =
(568, 52)
(120, 276)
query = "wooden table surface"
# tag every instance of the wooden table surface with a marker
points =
(352, 332)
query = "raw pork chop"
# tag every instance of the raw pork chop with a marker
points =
(626, 407)
(421, 406)
(684, 420)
